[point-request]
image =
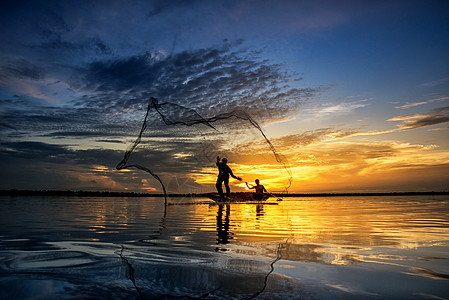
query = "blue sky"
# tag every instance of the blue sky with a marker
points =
(76, 77)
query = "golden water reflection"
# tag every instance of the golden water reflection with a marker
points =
(338, 231)
(351, 243)
(394, 231)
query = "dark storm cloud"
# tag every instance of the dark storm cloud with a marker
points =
(110, 141)
(31, 149)
(115, 92)
(40, 120)
(122, 74)
(159, 154)
(38, 165)
(57, 122)
(93, 132)
(210, 80)
(34, 164)
(26, 153)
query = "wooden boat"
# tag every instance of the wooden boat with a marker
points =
(239, 197)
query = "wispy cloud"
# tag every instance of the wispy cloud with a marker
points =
(434, 83)
(414, 104)
(408, 105)
(435, 117)
(327, 109)
(408, 117)
(441, 128)
(305, 138)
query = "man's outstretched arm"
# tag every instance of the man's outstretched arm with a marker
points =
(233, 176)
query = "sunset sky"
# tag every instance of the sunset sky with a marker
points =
(353, 95)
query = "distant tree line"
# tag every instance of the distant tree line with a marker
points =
(16, 192)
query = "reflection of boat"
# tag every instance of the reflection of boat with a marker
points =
(240, 197)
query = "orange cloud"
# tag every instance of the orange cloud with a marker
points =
(345, 166)
(330, 165)
(436, 116)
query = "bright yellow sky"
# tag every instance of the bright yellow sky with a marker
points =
(331, 160)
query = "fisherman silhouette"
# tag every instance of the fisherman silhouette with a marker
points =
(223, 234)
(259, 190)
(223, 176)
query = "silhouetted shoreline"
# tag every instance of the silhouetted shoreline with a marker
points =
(15, 192)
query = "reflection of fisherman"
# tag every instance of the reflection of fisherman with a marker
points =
(223, 234)
(223, 176)
(259, 190)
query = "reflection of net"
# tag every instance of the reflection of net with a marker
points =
(174, 114)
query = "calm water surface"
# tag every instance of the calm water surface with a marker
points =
(302, 248)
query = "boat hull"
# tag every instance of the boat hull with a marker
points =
(240, 197)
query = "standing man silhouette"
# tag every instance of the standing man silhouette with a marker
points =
(223, 176)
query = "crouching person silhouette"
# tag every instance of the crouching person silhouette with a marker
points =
(259, 190)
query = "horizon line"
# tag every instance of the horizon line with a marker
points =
(84, 193)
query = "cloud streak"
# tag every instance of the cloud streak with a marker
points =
(435, 117)
(329, 109)
(414, 104)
